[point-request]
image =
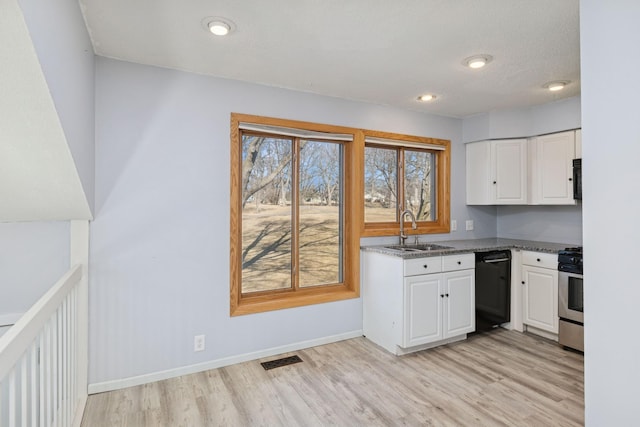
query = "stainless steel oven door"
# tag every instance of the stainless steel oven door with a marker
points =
(570, 296)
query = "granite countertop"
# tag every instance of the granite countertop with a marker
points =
(473, 245)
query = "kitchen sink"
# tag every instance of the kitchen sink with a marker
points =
(425, 247)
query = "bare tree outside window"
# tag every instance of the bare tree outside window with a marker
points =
(320, 218)
(266, 213)
(419, 183)
(381, 183)
(292, 216)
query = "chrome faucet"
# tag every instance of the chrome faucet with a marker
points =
(414, 226)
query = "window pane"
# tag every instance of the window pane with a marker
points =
(320, 215)
(380, 184)
(266, 213)
(419, 184)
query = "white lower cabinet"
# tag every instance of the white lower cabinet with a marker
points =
(423, 307)
(406, 310)
(540, 291)
(459, 303)
(438, 306)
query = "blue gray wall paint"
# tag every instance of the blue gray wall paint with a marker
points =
(560, 224)
(33, 256)
(524, 122)
(159, 252)
(609, 35)
(66, 56)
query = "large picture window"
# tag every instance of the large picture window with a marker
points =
(292, 243)
(302, 195)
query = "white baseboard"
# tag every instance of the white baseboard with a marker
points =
(214, 364)
(9, 319)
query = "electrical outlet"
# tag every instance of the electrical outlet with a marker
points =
(469, 224)
(454, 225)
(198, 343)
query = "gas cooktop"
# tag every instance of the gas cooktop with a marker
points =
(570, 260)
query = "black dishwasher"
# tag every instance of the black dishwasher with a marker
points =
(493, 289)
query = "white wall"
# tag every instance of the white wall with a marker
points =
(160, 239)
(66, 56)
(609, 35)
(33, 256)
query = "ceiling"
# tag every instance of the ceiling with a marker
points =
(378, 51)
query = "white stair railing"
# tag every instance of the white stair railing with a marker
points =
(43, 380)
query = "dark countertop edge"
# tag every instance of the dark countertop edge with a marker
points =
(473, 245)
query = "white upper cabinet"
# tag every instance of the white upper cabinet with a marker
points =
(497, 172)
(551, 165)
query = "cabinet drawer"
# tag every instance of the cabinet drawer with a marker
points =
(539, 259)
(458, 262)
(413, 267)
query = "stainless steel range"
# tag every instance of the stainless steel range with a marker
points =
(570, 299)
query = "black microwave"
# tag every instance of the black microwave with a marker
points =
(577, 179)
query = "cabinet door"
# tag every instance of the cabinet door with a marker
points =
(552, 169)
(509, 166)
(479, 176)
(459, 311)
(422, 309)
(540, 298)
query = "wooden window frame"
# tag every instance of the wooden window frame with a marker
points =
(353, 211)
(257, 302)
(442, 224)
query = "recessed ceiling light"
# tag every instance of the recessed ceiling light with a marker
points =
(426, 97)
(477, 61)
(219, 28)
(556, 85)
(218, 25)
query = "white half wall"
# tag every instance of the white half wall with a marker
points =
(159, 255)
(609, 34)
(33, 256)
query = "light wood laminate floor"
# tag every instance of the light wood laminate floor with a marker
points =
(500, 378)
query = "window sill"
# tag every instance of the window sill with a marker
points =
(278, 301)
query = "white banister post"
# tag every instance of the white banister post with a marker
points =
(79, 254)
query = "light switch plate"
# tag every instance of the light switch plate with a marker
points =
(469, 224)
(454, 225)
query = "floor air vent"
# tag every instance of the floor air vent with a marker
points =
(280, 362)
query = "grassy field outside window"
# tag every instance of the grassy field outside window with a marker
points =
(302, 195)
